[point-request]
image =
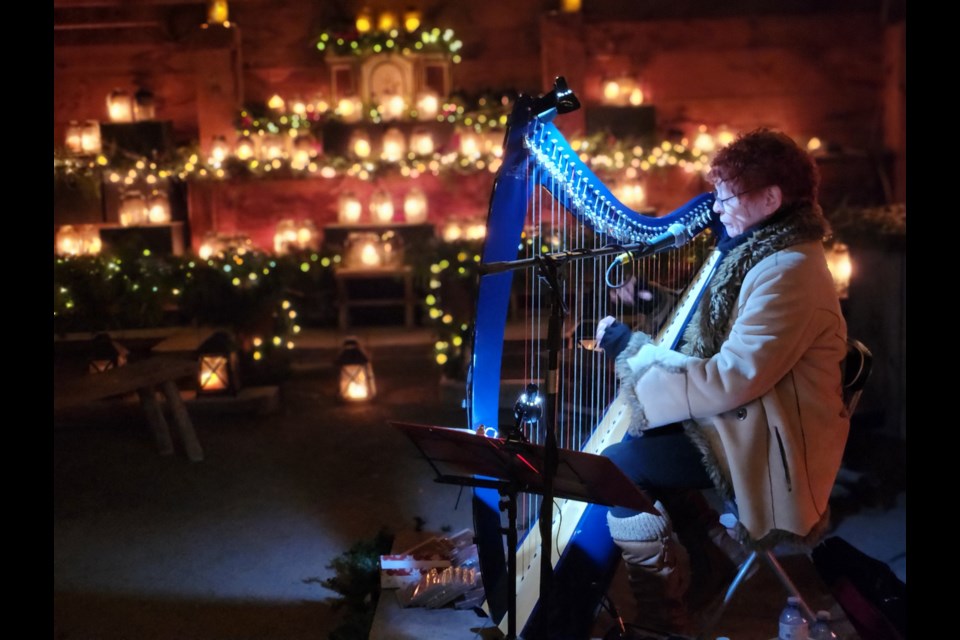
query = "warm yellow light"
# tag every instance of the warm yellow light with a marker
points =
(469, 143)
(421, 142)
(361, 146)
(350, 108)
(611, 90)
(452, 232)
(428, 104)
(725, 137)
(570, 6)
(636, 97)
(120, 106)
(841, 268)
(369, 256)
(158, 208)
(415, 206)
(350, 209)
(394, 145)
(218, 12)
(213, 373)
(387, 21)
(411, 19)
(704, 141)
(219, 150)
(381, 207)
(393, 107)
(276, 103)
(814, 144)
(364, 21)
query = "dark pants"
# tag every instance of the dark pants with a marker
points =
(659, 461)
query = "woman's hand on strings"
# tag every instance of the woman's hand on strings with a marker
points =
(602, 327)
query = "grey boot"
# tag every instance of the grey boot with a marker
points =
(658, 569)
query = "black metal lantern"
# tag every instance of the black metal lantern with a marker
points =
(106, 354)
(219, 366)
(357, 383)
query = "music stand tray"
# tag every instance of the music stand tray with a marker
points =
(462, 457)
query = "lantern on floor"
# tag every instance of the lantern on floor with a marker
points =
(394, 145)
(120, 106)
(133, 208)
(349, 208)
(106, 354)
(144, 106)
(415, 206)
(421, 142)
(381, 207)
(158, 207)
(357, 383)
(841, 268)
(219, 365)
(427, 105)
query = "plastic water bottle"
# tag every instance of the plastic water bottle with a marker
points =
(820, 629)
(793, 626)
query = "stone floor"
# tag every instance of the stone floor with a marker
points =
(234, 547)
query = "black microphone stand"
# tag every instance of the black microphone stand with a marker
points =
(548, 266)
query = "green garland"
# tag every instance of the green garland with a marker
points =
(404, 42)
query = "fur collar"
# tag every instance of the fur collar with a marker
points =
(710, 324)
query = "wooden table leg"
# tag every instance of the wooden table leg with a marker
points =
(158, 424)
(182, 421)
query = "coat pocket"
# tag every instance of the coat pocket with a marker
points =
(783, 459)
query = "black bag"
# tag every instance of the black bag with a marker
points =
(870, 593)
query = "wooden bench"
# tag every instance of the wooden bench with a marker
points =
(144, 378)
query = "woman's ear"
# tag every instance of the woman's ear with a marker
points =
(772, 198)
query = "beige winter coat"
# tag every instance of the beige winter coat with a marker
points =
(768, 404)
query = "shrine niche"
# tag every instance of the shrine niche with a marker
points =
(391, 83)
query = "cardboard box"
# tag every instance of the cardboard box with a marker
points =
(398, 570)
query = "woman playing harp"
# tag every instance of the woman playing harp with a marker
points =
(749, 402)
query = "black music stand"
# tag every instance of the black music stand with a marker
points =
(463, 458)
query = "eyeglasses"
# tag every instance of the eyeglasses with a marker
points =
(724, 201)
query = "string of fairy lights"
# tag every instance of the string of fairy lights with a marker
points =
(241, 279)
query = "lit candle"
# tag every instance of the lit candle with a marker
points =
(427, 105)
(394, 145)
(415, 206)
(381, 206)
(350, 209)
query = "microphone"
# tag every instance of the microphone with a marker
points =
(675, 236)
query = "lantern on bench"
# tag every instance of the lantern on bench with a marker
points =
(219, 366)
(357, 382)
(106, 354)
